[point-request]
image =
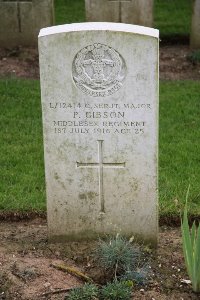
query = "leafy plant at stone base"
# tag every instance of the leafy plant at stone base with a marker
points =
(117, 290)
(86, 292)
(120, 259)
(140, 275)
(194, 57)
(191, 249)
(115, 255)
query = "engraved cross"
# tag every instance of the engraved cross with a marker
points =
(98, 63)
(100, 165)
(18, 3)
(120, 7)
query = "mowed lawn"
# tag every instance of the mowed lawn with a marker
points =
(22, 183)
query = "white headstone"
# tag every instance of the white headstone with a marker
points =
(138, 12)
(195, 30)
(99, 85)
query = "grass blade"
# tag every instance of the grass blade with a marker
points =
(193, 234)
(196, 276)
(191, 249)
(187, 244)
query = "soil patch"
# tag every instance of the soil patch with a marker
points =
(23, 62)
(18, 216)
(26, 260)
(175, 65)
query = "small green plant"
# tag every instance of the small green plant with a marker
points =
(117, 255)
(118, 290)
(191, 249)
(86, 292)
(123, 260)
(139, 275)
(194, 57)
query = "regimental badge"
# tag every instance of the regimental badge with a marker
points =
(98, 70)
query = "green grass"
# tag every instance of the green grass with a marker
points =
(69, 11)
(22, 184)
(179, 145)
(171, 17)
(21, 159)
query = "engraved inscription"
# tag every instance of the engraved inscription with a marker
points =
(98, 70)
(101, 118)
(100, 165)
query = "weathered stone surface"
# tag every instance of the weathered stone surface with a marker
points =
(195, 30)
(99, 84)
(21, 21)
(138, 12)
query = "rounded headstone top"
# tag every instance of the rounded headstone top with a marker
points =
(92, 26)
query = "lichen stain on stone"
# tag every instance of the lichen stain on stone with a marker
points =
(134, 184)
(70, 180)
(63, 148)
(91, 195)
(82, 196)
(87, 196)
(84, 219)
(57, 178)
